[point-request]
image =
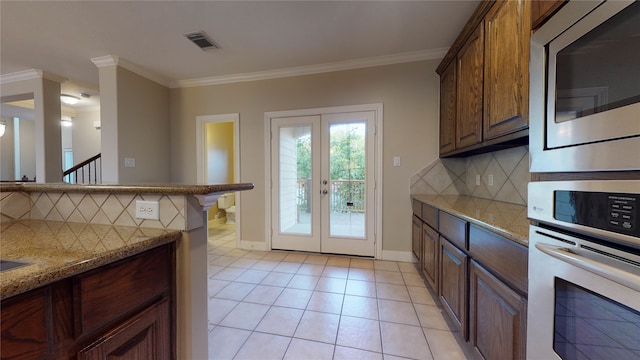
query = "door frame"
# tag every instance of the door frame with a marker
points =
(377, 108)
(201, 122)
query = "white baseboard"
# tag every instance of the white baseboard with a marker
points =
(390, 255)
(253, 245)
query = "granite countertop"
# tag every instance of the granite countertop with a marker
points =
(173, 189)
(505, 219)
(57, 250)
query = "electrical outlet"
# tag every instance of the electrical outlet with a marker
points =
(396, 161)
(490, 180)
(147, 210)
(477, 180)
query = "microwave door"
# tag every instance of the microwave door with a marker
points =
(593, 92)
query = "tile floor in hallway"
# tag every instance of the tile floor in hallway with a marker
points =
(291, 305)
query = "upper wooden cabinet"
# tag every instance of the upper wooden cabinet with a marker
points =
(448, 105)
(489, 83)
(541, 11)
(470, 70)
(506, 79)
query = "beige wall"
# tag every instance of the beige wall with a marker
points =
(409, 93)
(134, 113)
(86, 138)
(219, 152)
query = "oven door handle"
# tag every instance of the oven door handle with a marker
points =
(612, 273)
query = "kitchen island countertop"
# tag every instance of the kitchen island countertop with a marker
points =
(57, 250)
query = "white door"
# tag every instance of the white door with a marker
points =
(323, 183)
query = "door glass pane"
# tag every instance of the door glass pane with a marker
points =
(347, 167)
(295, 179)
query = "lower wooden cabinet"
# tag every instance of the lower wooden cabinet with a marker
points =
(416, 242)
(145, 336)
(497, 317)
(430, 248)
(452, 289)
(124, 310)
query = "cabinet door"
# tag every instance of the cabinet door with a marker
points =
(453, 283)
(430, 255)
(416, 238)
(24, 332)
(470, 75)
(497, 318)
(145, 336)
(448, 109)
(541, 10)
(506, 74)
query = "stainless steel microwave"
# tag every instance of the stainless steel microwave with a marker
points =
(584, 106)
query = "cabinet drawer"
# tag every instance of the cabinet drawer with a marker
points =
(430, 215)
(454, 229)
(503, 257)
(106, 294)
(416, 206)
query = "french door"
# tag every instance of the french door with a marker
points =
(323, 183)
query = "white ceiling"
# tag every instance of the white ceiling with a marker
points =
(60, 37)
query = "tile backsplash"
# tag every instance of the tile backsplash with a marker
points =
(457, 176)
(92, 208)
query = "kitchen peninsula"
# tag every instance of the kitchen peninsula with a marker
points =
(97, 277)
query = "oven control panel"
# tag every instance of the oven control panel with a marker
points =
(616, 212)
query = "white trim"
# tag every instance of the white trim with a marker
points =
(378, 109)
(403, 256)
(112, 60)
(200, 165)
(314, 69)
(30, 75)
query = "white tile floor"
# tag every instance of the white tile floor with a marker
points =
(290, 305)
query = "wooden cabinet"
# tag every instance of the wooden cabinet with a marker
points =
(145, 336)
(491, 78)
(506, 80)
(497, 318)
(429, 263)
(416, 242)
(124, 309)
(452, 289)
(480, 277)
(541, 10)
(470, 73)
(448, 106)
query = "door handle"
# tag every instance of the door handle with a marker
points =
(324, 192)
(324, 182)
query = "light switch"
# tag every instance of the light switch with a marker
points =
(129, 162)
(396, 161)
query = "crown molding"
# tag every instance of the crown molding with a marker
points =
(30, 75)
(112, 60)
(315, 69)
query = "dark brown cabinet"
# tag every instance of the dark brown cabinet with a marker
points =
(480, 277)
(541, 10)
(470, 73)
(430, 248)
(448, 107)
(489, 84)
(497, 318)
(506, 80)
(452, 289)
(124, 310)
(416, 242)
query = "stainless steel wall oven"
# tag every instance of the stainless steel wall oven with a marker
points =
(584, 270)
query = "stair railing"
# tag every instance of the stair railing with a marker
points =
(86, 172)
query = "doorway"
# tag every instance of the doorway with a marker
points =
(323, 175)
(217, 156)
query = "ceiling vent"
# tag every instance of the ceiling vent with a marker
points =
(203, 41)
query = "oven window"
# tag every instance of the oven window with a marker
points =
(591, 326)
(599, 71)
